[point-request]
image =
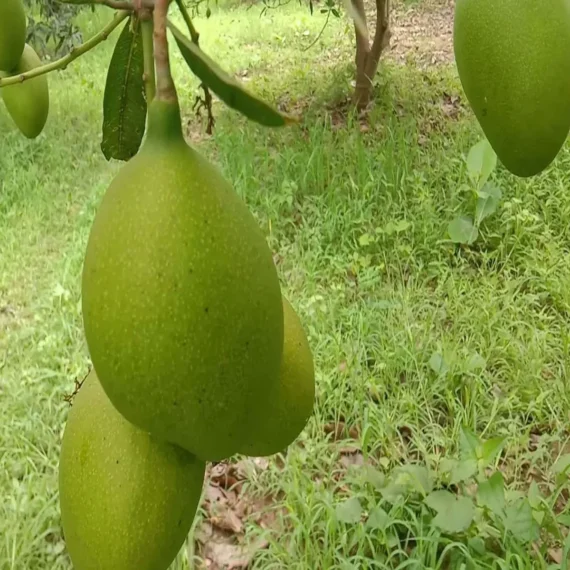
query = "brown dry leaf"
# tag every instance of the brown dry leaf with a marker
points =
(224, 475)
(225, 556)
(555, 555)
(227, 520)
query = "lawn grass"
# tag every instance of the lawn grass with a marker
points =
(376, 303)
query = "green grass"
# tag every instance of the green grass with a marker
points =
(375, 309)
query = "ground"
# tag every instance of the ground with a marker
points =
(414, 337)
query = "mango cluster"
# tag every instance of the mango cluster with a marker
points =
(27, 102)
(197, 355)
(513, 59)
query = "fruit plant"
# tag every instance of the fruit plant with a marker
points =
(196, 354)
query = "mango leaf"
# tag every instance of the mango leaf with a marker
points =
(226, 87)
(349, 511)
(481, 161)
(491, 493)
(124, 102)
(520, 522)
(462, 230)
(454, 514)
(488, 199)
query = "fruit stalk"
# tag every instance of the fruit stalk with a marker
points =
(166, 91)
(63, 62)
(194, 35)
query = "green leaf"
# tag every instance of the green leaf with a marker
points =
(481, 161)
(562, 463)
(373, 477)
(491, 493)
(477, 544)
(438, 364)
(520, 522)
(487, 202)
(454, 514)
(490, 449)
(463, 470)
(378, 519)
(397, 227)
(469, 444)
(124, 102)
(226, 87)
(416, 477)
(534, 495)
(476, 362)
(462, 230)
(350, 511)
(365, 239)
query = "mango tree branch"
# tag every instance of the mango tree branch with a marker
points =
(116, 4)
(166, 91)
(381, 37)
(72, 55)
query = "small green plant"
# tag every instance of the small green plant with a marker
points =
(486, 195)
(464, 499)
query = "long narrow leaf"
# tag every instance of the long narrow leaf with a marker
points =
(226, 87)
(124, 103)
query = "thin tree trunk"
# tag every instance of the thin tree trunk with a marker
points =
(367, 57)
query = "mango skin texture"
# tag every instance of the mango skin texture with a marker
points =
(513, 59)
(127, 500)
(28, 102)
(283, 418)
(181, 301)
(12, 33)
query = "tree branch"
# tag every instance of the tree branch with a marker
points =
(381, 37)
(194, 35)
(72, 55)
(362, 43)
(166, 91)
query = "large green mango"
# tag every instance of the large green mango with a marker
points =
(181, 301)
(277, 425)
(127, 500)
(12, 33)
(513, 58)
(28, 102)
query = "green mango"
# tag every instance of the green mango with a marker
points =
(181, 301)
(127, 500)
(12, 33)
(277, 424)
(28, 102)
(513, 59)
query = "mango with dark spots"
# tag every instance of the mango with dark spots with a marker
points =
(127, 499)
(28, 102)
(181, 301)
(12, 33)
(278, 424)
(513, 59)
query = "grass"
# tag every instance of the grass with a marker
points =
(377, 303)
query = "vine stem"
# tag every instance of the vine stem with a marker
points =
(148, 51)
(166, 91)
(72, 55)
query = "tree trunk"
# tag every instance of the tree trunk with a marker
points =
(368, 57)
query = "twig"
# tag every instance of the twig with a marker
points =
(320, 33)
(206, 102)
(78, 383)
(166, 90)
(115, 4)
(72, 55)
